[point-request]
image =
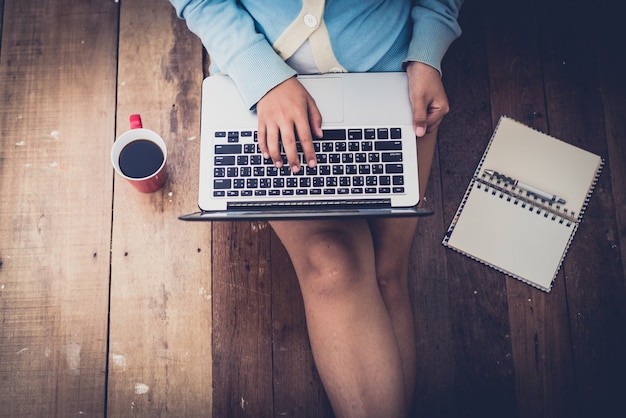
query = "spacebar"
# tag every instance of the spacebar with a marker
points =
(309, 204)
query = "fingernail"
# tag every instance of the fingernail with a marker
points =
(295, 169)
(312, 163)
(420, 131)
(266, 155)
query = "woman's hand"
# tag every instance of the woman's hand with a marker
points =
(427, 96)
(288, 114)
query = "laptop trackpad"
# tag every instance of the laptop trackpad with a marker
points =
(328, 95)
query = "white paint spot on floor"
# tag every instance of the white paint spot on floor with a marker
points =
(119, 361)
(54, 134)
(20, 144)
(72, 358)
(141, 388)
(204, 293)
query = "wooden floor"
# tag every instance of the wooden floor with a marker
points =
(110, 306)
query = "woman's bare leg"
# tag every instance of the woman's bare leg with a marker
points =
(352, 337)
(392, 244)
(392, 239)
(353, 275)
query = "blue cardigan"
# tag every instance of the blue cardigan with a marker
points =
(366, 35)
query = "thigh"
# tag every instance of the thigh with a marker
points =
(392, 239)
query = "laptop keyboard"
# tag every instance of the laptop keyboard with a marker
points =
(357, 162)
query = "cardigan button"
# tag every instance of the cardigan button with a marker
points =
(310, 20)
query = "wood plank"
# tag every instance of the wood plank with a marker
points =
(593, 275)
(1, 18)
(160, 320)
(242, 344)
(430, 296)
(612, 67)
(540, 336)
(481, 341)
(57, 83)
(242, 318)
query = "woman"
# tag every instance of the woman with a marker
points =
(353, 273)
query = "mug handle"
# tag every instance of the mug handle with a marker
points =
(135, 122)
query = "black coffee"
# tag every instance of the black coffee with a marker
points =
(140, 158)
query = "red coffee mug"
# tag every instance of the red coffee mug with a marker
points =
(140, 156)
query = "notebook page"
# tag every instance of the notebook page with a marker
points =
(511, 238)
(542, 161)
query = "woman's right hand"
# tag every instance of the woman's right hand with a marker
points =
(288, 114)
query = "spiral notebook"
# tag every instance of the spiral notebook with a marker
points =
(524, 203)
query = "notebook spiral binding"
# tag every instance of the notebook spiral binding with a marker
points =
(504, 190)
(562, 214)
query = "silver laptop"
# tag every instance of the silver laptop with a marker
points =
(367, 164)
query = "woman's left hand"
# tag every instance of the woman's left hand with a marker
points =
(428, 97)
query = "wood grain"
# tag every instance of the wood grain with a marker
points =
(160, 321)
(430, 296)
(57, 84)
(242, 335)
(111, 306)
(483, 364)
(596, 297)
(612, 86)
(540, 337)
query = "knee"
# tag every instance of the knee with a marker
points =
(392, 275)
(334, 263)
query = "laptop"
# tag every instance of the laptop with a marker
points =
(367, 164)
